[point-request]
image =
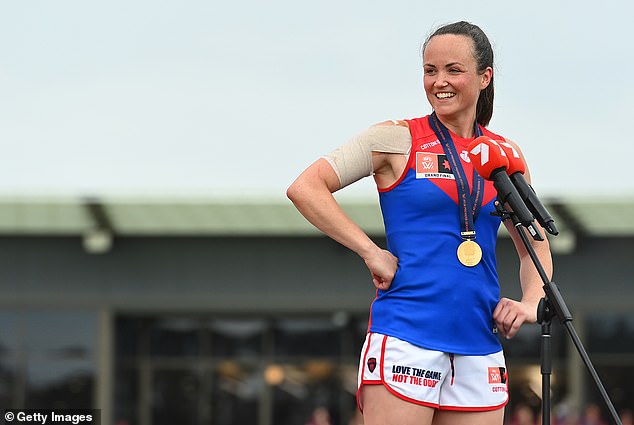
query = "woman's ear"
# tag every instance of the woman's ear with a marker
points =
(487, 76)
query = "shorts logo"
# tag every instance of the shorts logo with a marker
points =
(497, 375)
(371, 364)
(415, 376)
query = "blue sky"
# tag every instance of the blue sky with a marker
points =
(216, 99)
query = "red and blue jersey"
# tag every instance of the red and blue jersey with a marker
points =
(434, 301)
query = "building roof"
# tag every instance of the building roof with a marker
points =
(252, 217)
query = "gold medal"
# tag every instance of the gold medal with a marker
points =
(469, 253)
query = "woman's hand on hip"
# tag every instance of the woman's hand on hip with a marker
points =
(509, 315)
(382, 265)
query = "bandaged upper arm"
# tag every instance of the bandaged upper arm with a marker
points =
(353, 160)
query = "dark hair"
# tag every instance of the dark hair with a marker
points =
(483, 54)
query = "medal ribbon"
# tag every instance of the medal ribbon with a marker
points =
(469, 203)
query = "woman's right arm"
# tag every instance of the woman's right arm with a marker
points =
(311, 193)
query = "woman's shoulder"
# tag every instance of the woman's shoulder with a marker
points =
(401, 123)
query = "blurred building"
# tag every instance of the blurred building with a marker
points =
(235, 312)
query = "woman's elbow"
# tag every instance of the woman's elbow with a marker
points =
(292, 191)
(296, 190)
(315, 181)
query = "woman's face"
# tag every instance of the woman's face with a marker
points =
(451, 79)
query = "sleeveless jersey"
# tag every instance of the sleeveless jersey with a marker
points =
(434, 301)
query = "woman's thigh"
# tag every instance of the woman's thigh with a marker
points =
(449, 417)
(380, 407)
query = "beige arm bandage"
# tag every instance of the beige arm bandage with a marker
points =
(353, 160)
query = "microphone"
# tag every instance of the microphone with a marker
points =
(490, 161)
(516, 170)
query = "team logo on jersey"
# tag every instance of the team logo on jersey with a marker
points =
(371, 364)
(433, 166)
(497, 375)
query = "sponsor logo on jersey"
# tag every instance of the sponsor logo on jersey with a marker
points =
(428, 145)
(433, 166)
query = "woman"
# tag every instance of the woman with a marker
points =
(432, 353)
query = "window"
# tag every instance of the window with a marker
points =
(223, 370)
(610, 344)
(52, 352)
(610, 333)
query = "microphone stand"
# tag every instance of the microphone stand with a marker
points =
(552, 305)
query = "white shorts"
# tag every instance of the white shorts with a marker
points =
(433, 378)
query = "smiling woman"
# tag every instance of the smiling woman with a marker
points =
(458, 72)
(433, 204)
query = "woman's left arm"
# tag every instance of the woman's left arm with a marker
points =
(509, 314)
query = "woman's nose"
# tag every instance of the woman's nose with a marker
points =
(441, 81)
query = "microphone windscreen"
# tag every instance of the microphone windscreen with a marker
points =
(516, 163)
(487, 156)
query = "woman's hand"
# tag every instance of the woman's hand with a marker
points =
(382, 265)
(509, 315)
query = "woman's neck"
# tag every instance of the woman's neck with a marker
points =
(462, 126)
